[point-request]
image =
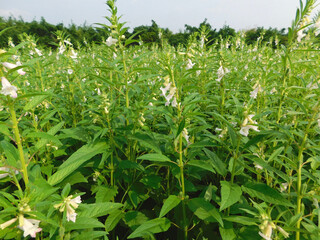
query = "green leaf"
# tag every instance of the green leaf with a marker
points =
(66, 190)
(181, 127)
(104, 194)
(275, 154)
(78, 133)
(152, 181)
(126, 164)
(81, 156)
(171, 202)
(98, 209)
(205, 210)
(202, 164)
(233, 136)
(11, 153)
(227, 234)
(254, 140)
(154, 157)
(4, 129)
(52, 132)
(242, 220)
(146, 141)
(77, 177)
(34, 102)
(134, 219)
(217, 164)
(45, 137)
(113, 219)
(230, 194)
(265, 193)
(91, 235)
(83, 223)
(151, 227)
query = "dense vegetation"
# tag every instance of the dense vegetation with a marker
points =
(46, 33)
(126, 140)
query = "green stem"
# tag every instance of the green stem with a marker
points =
(235, 162)
(183, 191)
(18, 142)
(299, 173)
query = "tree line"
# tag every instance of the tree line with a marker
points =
(45, 33)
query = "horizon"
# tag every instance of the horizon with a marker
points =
(174, 15)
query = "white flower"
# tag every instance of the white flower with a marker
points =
(283, 232)
(6, 172)
(174, 102)
(165, 89)
(258, 167)
(11, 66)
(62, 48)
(7, 223)
(30, 227)
(246, 127)
(257, 88)
(8, 89)
(70, 204)
(265, 236)
(73, 54)
(300, 35)
(283, 187)
(110, 41)
(273, 90)
(70, 71)
(67, 42)
(221, 72)
(317, 26)
(189, 64)
(185, 135)
(38, 52)
(170, 96)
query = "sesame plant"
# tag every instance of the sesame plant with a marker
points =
(209, 140)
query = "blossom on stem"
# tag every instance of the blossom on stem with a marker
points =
(317, 26)
(11, 66)
(300, 35)
(70, 204)
(185, 135)
(257, 88)
(7, 223)
(189, 64)
(62, 48)
(29, 227)
(8, 89)
(221, 72)
(4, 172)
(38, 52)
(110, 41)
(246, 127)
(172, 90)
(73, 54)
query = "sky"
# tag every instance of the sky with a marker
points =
(172, 14)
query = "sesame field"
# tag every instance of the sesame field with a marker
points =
(126, 140)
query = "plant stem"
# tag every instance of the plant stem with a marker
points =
(299, 173)
(18, 142)
(183, 191)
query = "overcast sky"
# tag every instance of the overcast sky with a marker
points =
(172, 14)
